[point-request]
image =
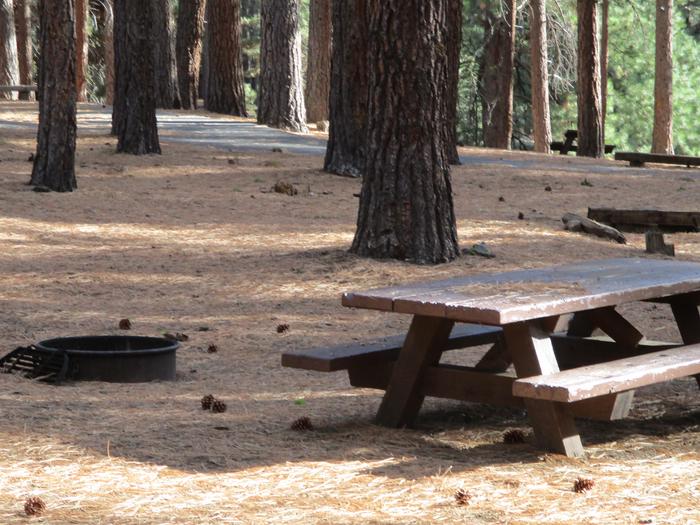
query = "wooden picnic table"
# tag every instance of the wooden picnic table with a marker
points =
(557, 377)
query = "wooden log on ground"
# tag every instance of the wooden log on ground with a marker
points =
(643, 220)
(576, 223)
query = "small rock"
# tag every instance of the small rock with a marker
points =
(125, 324)
(282, 328)
(212, 349)
(521, 216)
(547, 188)
(276, 150)
(285, 188)
(479, 249)
(501, 199)
(232, 161)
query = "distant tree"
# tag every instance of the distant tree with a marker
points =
(81, 47)
(604, 44)
(190, 29)
(134, 111)
(345, 150)
(225, 90)
(590, 120)
(318, 71)
(167, 93)
(108, 43)
(406, 210)
(662, 139)
(54, 161)
(23, 29)
(497, 74)
(280, 96)
(9, 67)
(454, 48)
(539, 74)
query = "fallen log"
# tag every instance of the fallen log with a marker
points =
(576, 223)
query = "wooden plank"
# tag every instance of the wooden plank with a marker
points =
(611, 377)
(658, 158)
(423, 347)
(573, 352)
(643, 219)
(612, 323)
(685, 311)
(20, 88)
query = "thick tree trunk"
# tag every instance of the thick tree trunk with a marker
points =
(108, 35)
(662, 141)
(406, 210)
(590, 120)
(23, 29)
(134, 111)
(454, 48)
(539, 73)
(497, 77)
(225, 90)
(54, 162)
(318, 71)
(81, 48)
(190, 27)
(604, 39)
(9, 67)
(163, 57)
(281, 98)
(345, 150)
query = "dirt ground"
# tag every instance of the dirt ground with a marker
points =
(193, 241)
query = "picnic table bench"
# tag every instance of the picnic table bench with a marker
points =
(570, 137)
(638, 160)
(556, 376)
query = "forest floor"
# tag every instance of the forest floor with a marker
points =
(195, 239)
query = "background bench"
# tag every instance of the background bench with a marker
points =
(639, 159)
(568, 145)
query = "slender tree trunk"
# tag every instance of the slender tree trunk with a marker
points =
(539, 72)
(345, 150)
(23, 29)
(497, 79)
(134, 111)
(225, 90)
(454, 48)
(204, 62)
(662, 141)
(108, 35)
(406, 210)
(318, 71)
(590, 120)
(9, 67)
(281, 98)
(81, 47)
(604, 38)
(54, 162)
(190, 27)
(163, 57)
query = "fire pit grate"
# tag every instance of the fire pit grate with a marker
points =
(46, 365)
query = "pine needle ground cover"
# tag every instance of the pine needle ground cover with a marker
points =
(195, 242)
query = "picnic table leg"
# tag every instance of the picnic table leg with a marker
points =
(687, 318)
(425, 341)
(532, 353)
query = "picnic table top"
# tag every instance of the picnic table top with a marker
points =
(524, 295)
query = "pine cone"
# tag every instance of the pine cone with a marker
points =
(281, 328)
(302, 424)
(207, 402)
(34, 506)
(462, 497)
(218, 406)
(212, 349)
(513, 436)
(125, 324)
(583, 484)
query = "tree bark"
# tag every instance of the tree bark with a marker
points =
(281, 98)
(163, 57)
(23, 29)
(318, 71)
(9, 67)
(662, 140)
(590, 120)
(497, 77)
(54, 161)
(406, 210)
(108, 35)
(345, 150)
(190, 29)
(81, 48)
(604, 39)
(225, 90)
(454, 48)
(539, 73)
(134, 111)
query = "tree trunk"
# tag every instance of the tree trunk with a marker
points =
(23, 29)
(318, 71)
(163, 57)
(406, 209)
(454, 48)
(204, 55)
(108, 35)
(497, 77)
(81, 48)
(345, 150)
(590, 120)
(190, 28)
(134, 111)
(662, 141)
(281, 98)
(539, 72)
(54, 162)
(9, 67)
(604, 38)
(225, 91)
